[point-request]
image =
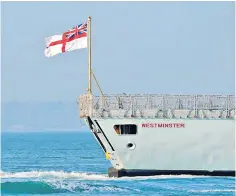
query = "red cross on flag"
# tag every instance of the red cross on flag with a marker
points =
(75, 38)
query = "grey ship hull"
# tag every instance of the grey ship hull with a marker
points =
(196, 138)
(200, 147)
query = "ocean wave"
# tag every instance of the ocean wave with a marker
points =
(57, 186)
(29, 187)
(47, 182)
(213, 190)
(86, 176)
(53, 174)
(50, 186)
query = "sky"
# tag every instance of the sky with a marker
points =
(137, 47)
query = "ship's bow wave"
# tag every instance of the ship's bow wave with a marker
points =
(54, 174)
(57, 186)
(57, 182)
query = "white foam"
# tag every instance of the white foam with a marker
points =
(85, 176)
(73, 186)
(53, 174)
(214, 190)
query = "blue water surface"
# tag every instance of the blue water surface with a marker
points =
(72, 163)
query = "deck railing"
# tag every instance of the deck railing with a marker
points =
(151, 105)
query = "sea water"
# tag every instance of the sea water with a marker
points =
(72, 163)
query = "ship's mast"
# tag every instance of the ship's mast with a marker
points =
(89, 57)
(90, 72)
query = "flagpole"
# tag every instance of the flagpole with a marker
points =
(89, 57)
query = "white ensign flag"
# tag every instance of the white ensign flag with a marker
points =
(73, 39)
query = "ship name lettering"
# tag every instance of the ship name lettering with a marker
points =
(163, 125)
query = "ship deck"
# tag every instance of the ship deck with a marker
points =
(157, 106)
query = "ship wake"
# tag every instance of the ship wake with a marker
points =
(83, 176)
(55, 182)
